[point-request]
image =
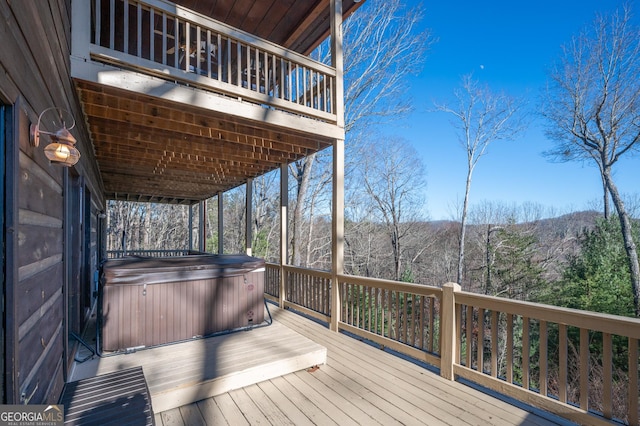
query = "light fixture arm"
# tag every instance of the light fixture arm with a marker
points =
(36, 131)
(62, 148)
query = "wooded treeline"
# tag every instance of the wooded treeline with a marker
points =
(512, 251)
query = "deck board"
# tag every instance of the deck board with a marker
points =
(277, 397)
(361, 384)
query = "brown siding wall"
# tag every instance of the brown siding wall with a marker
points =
(34, 75)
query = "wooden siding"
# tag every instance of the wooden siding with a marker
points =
(35, 75)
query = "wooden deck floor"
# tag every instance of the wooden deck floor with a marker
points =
(359, 385)
(190, 371)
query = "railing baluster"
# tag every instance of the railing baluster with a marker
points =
(198, 57)
(370, 307)
(209, 52)
(258, 67)
(219, 56)
(413, 319)
(526, 348)
(343, 289)
(267, 72)
(164, 38)
(396, 309)
(458, 354)
(389, 308)
(469, 336)
(377, 293)
(139, 30)
(332, 97)
(563, 362)
(125, 26)
(187, 46)
(98, 22)
(607, 381)
(509, 374)
(305, 73)
(421, 324)
(362, 300)
(494, 343)
(229, 79)
(544, 342)
(290, 82)
(176, 43)
(112, 25)
(584, 369)
(405, 317)
(480, 346)
(152, 35)
(239, 63)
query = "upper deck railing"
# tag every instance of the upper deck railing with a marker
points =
(174, 43)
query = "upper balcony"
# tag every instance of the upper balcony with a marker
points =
(182, 106)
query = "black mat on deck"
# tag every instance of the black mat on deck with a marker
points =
(120, 398)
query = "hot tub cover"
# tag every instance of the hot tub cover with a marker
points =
(135, 270)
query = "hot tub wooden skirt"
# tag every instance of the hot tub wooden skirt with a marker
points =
(137, 314)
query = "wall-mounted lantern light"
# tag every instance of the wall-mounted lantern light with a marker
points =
(61, 150)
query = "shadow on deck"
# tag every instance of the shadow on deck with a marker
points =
(183, 373)
(359, 385)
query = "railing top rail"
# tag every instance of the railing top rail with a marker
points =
(243, 36)
(419, 289)
(613, 324)
(308, 271)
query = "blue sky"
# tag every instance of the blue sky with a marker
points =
(508, 45)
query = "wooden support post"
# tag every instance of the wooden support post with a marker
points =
(337, 232)
(190, 227)
(81, 24)
(337, 59)
(220, 223)
(248, 215)
(284, 203)
(448, 333)
(337, 219)
(202, 225)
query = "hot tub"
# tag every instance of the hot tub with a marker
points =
(148, 301)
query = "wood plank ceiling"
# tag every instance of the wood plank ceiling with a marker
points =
(154, 150)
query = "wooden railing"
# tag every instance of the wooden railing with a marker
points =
(174, 43)
(556, 357)
(579, 365)
(307, 290)
(403, 317)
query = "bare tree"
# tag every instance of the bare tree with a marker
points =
(382, 46)
(481, 117)
(393, 176)
(592, 105)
